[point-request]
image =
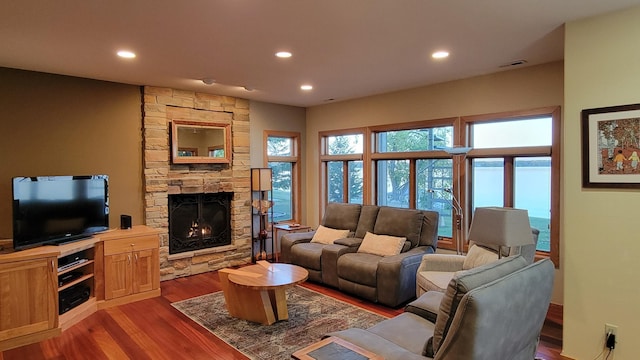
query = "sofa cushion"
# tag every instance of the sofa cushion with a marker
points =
(478, 256)
(326, 235)
(399, 222)
(407, 330)
(307, 255)
(382, 245)
(342, 216)
(463, 282)
(367, 221)
(360, 268)
(434, 280)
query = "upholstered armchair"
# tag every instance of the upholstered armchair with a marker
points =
(436, 270)
(491, 312)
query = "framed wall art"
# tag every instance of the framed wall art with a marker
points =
(611, 147)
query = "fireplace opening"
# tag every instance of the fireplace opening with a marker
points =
(199, 221)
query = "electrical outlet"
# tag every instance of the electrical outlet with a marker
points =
(610, 329)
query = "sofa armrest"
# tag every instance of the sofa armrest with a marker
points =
(375, 343)
(290, 239)
(397, 276)
(441, 262)
(329, 262)
(349, 242)
(426, 306)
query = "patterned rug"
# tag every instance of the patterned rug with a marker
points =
(311, 315)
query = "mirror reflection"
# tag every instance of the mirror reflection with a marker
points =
(194, 142)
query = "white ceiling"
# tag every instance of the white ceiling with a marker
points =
(344, 48)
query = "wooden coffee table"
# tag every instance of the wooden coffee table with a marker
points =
(257, 292)
(334, 348)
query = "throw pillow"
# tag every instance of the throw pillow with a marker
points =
(478, 256)
(381, 245)
(325, 235)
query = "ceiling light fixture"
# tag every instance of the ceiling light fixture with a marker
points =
(306, 87)
(248, 88)
(283, 54)
(126, 54)
(440, 54)
(208, 81)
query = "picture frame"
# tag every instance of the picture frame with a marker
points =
(611, 147)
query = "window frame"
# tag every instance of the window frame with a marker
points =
(510, 154)
(461, 165)
(325, 158)
(295, 160)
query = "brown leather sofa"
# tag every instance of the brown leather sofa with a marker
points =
(390, 280)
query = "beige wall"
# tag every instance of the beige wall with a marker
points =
(59, 125)
(600, 227)
(274, 117)
(527, 88)
(55, 125)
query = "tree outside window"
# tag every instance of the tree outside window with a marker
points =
(282, 157)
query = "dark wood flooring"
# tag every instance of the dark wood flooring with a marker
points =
(153, 329)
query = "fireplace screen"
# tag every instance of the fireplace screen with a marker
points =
(199, 221)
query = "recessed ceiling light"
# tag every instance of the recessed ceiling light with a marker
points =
(306, 87)
(283, 54)
(126, 54)
(440, 54)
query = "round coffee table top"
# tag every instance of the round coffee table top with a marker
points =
(265, 275)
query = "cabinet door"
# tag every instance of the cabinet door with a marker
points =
(146, 270)
(28, 297)
(117, 275)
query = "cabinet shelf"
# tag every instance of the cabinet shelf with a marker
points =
(76, 267)
(76, 281)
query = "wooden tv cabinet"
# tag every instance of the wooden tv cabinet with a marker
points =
(118, 267)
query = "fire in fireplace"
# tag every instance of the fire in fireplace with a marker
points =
(199, 221)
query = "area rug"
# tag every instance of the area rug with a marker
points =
(311, 315)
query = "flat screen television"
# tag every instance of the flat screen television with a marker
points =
(58, 209)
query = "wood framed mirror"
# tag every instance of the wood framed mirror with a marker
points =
(194, 142)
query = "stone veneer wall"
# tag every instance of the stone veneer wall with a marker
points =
(161, 178)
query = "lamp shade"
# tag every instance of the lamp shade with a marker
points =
(261, 179)
(501, 226)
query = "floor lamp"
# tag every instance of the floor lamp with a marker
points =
(261, 185)
(500, 226)
(458, 154)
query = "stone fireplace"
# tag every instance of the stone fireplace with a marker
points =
(199, 221)
(162, 178)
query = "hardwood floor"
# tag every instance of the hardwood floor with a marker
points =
(153, 329)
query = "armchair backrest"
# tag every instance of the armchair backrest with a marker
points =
(501, 319)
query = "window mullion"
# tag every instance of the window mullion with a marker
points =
(345, 181)
(508, 181)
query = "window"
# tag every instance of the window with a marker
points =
(283, 149)
(514, 163)
(342, 167)
(410, 171)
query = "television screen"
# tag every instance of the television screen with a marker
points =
(55, 209)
